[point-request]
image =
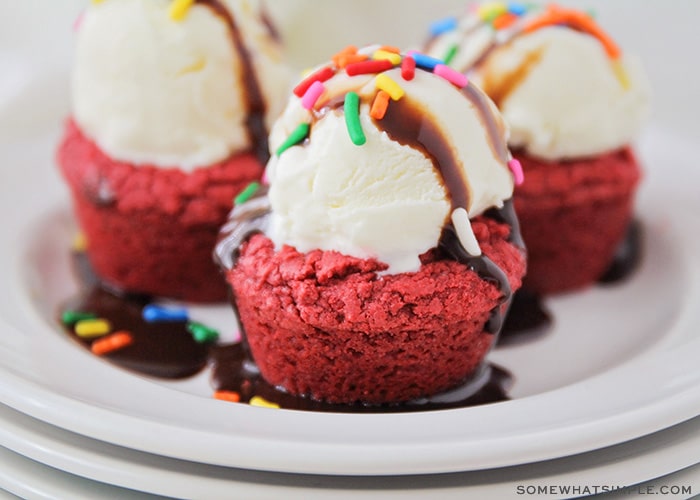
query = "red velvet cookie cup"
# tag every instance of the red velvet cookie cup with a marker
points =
(328, 326)
(573, 215)
(152, 230)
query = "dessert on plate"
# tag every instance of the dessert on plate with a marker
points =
(376, 262)
(171, 105)
(574, 103)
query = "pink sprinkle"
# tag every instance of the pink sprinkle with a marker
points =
(451, 75)
(312, 94)
(78, 21)
(517, 169)
(264, 180)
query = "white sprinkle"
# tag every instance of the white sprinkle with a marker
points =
(460, 219)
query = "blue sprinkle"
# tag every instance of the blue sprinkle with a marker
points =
(443, 26)
(517, 8)
(425, 62)
(153, 313)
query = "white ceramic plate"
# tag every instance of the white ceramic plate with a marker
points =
(658, 454)
(620, 363)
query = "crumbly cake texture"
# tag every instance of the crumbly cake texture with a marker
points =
(152, 230)
(573, 215)
(325, 325)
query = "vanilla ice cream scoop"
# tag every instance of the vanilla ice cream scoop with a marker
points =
(177, 84)
(385, 157)
(563, 85)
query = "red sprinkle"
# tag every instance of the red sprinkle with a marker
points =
(364, 67)
(408, 68)
(321, 75)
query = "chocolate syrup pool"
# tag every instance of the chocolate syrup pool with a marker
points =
(167, 350)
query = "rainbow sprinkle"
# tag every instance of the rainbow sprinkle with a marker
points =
(111, 343)
(312, 94)
(379, 105)
(491, 10)
(451, 75)
(367, 67)
(518, 176)
(91, 328)
(425, 61)
(71, 317)
(262, 402)
(179, 9)
(408, 68)
(352, 119)
(230, 396)
(451, 53)
(321, 75)
(201, 333)
(387, 84)
(247, 193)
(79, 243)
(155, 313)
(392, 57)
(298, 134)
(443, 26)
(502, 15)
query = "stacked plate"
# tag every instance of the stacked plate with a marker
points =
(610, 397)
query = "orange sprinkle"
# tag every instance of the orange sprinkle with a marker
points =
(577, 20)
(346, 59)
(390, 48)
(504, 20)
(350, 49)
(231, 396)
(381, 102)
(111, 343)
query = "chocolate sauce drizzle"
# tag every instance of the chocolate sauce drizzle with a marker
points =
(166, 350)
(408, 123)
(253, 95)
(234, 371)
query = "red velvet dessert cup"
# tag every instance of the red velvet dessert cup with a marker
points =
(327, 326)
(152, 230)
(574, 215)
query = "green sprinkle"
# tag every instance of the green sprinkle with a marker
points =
(451, 53)
(352, 119)
(298, 134)
(247, 193)
(69, 317)
(202, 333)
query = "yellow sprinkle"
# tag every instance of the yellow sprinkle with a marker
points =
(390, 56)
(79, 243)
(91, 328)
(621, 74)
(194, 67)
(389, 86)
(179, 8)
(261, 402)
(491, 10)
(96, 1)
